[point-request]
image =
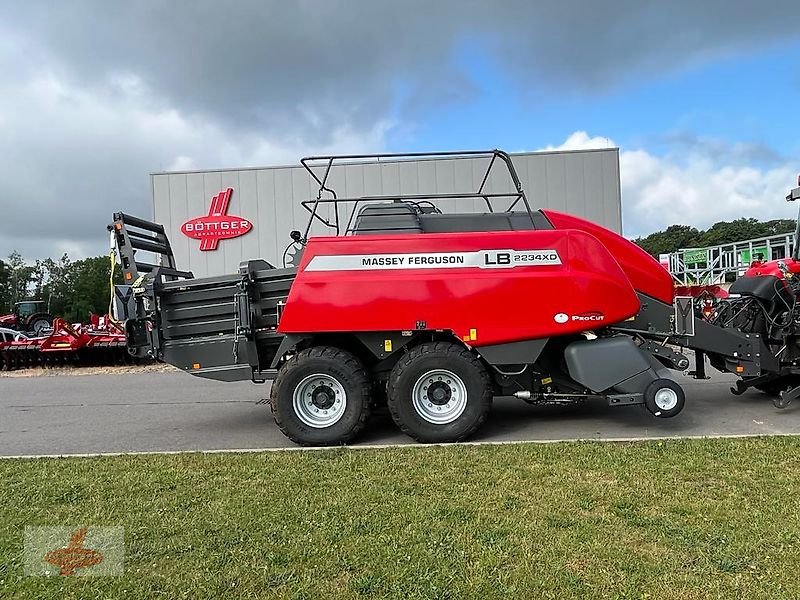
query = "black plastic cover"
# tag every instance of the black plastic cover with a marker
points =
(402, 217)
(768, 288)
(390, 217)
(602, 363)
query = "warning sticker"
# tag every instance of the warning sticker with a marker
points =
(484, 259)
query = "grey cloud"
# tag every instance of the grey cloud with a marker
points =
(261, 64)
(737, 153)
(95, 95)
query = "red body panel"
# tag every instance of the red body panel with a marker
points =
(771, 268)
(484, 305)
(645, 273)
(702, 291)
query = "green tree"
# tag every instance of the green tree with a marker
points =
(20, 277)
(725, 232)
(675, 237)
(777, 226)
(5, 288)
(89, 288)
(58, 288)
(669, 240)
(72, 290)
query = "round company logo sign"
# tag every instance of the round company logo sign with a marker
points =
(217, 224)
(561, 318)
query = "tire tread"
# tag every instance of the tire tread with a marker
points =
(447, 349)
(345, 359)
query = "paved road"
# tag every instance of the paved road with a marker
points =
(174, 411)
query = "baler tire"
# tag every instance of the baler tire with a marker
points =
(676, 393)
(439, 359)
(346, 370)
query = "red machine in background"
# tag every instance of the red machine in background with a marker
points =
(706, 297)
(101, 342)
(30, 317)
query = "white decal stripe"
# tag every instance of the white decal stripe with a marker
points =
(482, 259)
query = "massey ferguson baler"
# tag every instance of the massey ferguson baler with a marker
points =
(436, 313)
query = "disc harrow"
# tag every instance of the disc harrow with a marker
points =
(100, 343)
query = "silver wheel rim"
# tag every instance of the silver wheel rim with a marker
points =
(40, 325)
(319, 401)
(666, 399)
(439, 397)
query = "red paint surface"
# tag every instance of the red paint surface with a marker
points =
(503, 305)
(696, 291)
(771, 268)
(217, 224)
(646, 274)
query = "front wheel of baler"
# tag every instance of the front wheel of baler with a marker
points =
(321, 397)
(664, 398)
(439, 392)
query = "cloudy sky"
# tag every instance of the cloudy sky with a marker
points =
(701, 97)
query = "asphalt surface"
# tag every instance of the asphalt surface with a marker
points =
(175, 411)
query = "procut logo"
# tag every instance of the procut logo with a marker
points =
(589, 316)
(217, 224)
(586, 316)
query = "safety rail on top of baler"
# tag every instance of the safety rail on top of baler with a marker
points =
(328, 162)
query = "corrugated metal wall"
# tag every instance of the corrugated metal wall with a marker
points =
(585, 183)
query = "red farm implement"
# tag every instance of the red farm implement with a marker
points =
(101, 342)
(706, 297)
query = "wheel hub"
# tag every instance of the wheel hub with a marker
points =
(439, 393)
(666, 399)
(319, 400)
(323, 397)
(439, 396)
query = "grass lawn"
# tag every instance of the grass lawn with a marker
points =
(679, 519)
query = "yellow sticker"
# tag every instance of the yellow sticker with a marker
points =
(473, 334)
(547, 380)
(387, 345)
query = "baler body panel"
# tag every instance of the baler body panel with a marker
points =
(368, 283)
(645, 273)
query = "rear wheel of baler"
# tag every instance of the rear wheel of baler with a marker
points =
(439, 392)
(321, 397)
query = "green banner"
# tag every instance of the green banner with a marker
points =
(746, 259)
(693, 257)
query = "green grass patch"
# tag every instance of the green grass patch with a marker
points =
(678, 519)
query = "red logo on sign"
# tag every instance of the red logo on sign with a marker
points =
(217, 224)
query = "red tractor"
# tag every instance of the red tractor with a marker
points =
(30, 317)
(435, 313)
